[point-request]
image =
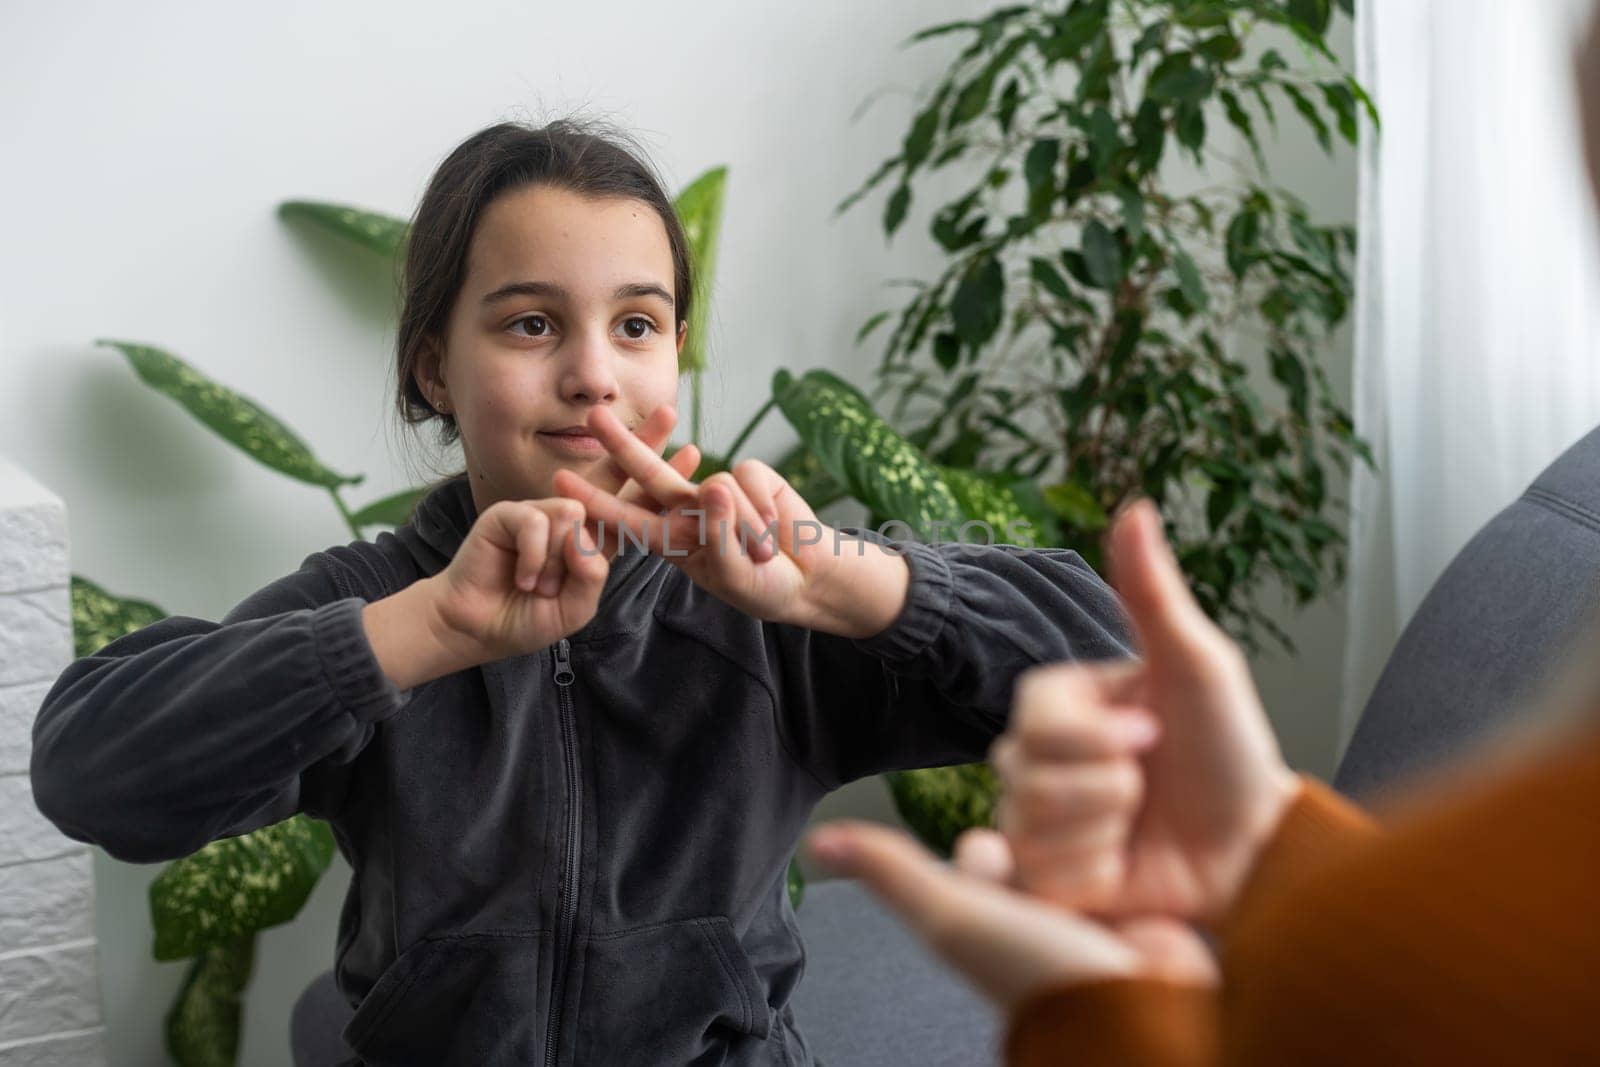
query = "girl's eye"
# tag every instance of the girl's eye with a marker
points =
(538, 325)
(637, 328)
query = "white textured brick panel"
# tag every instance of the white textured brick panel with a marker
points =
(24, 833)
(48, 991)
(33, 533)
(19, 704)
(35, 635)
(61, 1050)
(47, 902)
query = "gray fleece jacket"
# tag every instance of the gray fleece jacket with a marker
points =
(574, 856)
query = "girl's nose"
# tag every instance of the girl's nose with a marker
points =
(589, 375)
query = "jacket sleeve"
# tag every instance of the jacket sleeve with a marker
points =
(934, 688)
(188, 731)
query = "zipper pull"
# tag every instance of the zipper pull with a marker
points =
(564, 675)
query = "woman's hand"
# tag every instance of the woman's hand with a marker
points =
(1007, 943)
(527, 574)
(746, 537)
(1146, 788)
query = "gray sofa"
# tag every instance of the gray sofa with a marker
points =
(1490, 632)
(1484, 639)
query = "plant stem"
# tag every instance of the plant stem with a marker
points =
(749, 427)
(349, 519)
(694, 407)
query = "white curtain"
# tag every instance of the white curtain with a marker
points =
(1478, 312)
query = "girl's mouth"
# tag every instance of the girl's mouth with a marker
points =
(573, 442)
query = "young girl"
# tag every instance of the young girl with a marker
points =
(568, 773)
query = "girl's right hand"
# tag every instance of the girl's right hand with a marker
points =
(527, 574)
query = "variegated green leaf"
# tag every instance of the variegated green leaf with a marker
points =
(391, 510)
(98, 618)
(237, 419)
(238, 885)
(381, 233)
(864, 454)
(699, 209)
(1003, 503)
(940, 802)
(805, 475)
(204, 1023)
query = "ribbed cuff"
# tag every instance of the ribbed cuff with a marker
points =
(348, 662)
(926, 610)
(1133, 1021)
(1317, 827)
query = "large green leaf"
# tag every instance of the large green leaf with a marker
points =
(381, 233)
(801, 469)
(864, 454)
(204, 1024)
(940, 802)
(391, 510)
(994, 500)
(237, 419)
(699, 209)
(237, 886)
(99, 618)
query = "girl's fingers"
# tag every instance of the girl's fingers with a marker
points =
(685, 461)
(587, 568)
(762, 486)
(644, 526)
(637, 460)
(565, 516)
(746, 531)
(654, 431)
(532, 539)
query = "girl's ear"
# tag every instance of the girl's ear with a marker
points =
(683, 335)
(429, 376)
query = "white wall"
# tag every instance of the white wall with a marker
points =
(146, 148)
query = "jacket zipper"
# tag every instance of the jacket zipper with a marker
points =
(568, 903)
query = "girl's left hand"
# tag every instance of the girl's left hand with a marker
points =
(1008, 943)
(746, 537)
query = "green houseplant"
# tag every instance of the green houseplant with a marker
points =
(1081, 343)
(1089, 325)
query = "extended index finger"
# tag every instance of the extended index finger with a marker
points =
(638, 461)
(653, 431)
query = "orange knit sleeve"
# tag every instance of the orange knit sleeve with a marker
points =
(1141, 1022)
(1318, 826)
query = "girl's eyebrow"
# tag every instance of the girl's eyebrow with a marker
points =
(554, 291)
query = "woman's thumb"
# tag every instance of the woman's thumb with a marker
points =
(1145, 573)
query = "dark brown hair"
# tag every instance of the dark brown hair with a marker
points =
(567, 154)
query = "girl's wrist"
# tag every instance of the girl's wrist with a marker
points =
(858, 595)
(411, 638)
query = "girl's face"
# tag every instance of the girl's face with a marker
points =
(567, 304)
